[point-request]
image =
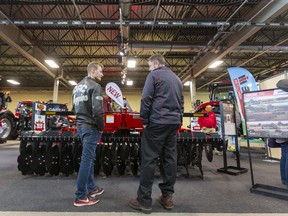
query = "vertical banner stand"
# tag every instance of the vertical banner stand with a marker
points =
(262, 189)
(227, 111)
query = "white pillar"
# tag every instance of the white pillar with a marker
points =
(55, 90)
(192, 92)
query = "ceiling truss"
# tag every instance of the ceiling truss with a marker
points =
(191, 34)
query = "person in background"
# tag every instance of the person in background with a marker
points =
(208, 124)
(283, 160)
(161, 112)
(57, 122)
(87, 103)
(283, 85)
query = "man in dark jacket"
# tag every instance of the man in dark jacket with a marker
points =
(88, 107)
(57, 122)
(161, 111)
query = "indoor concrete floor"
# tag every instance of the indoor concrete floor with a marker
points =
(215, 194)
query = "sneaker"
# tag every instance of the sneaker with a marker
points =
(133, 203)
(96, 192)
(166, 201)
(85, 202)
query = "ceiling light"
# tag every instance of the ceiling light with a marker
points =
(13, 82)
(122, 52)
(129, 82)
(215, 64)
(131, 63)
(187, 83)
(72, 82)
(52, 63)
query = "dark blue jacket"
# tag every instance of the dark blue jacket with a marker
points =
(162, 98)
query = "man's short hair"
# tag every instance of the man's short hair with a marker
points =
(94, 65)
(157, 57)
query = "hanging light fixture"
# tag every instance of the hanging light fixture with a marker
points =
(52, 63)
(13, 82)
(215, 64)
(129, 82)
(131, 63)
(122, 52)
(72, 82)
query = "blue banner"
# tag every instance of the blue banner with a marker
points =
(242, 81)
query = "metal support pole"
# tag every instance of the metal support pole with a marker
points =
(55, 90)
(192, 86)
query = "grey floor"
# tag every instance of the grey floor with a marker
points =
(215, 193)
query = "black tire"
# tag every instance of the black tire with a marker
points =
(106, 159)
(7, 125)
(134, 158)
(66, 158)
(97, 161)
(25, 160)
(53, 159)
(77, 153)
(121, 153)
(199, 150)
(188, 147)
(193, 155)
(39, 158)
(209, 152)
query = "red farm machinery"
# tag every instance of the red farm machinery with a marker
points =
(44, 150)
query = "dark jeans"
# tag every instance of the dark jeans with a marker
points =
(157, 140)
(284, 163)
(85, 178)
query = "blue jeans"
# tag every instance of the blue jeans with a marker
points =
(284, 163)
(85, 178)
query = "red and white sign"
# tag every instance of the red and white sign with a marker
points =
(114, 92)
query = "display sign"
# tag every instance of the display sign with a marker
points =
(114, 92)
(229, 119)
(266, 113)
(38, 119)
(109, 119)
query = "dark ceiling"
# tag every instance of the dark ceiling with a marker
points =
(191, 34)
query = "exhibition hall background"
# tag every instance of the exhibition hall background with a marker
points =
(133, 97)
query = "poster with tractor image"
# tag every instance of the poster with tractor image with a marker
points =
(266, 113)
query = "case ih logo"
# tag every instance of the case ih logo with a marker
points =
(243, 79)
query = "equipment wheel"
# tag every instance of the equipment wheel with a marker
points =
(209, 152)
(121, 153)
(25, 159)
(134, 158)
(52, 158)
(77, 152)
(106, 159)
(193, 154)
(66, 158)
(97, 161)
(7, 131)
(38, 158)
